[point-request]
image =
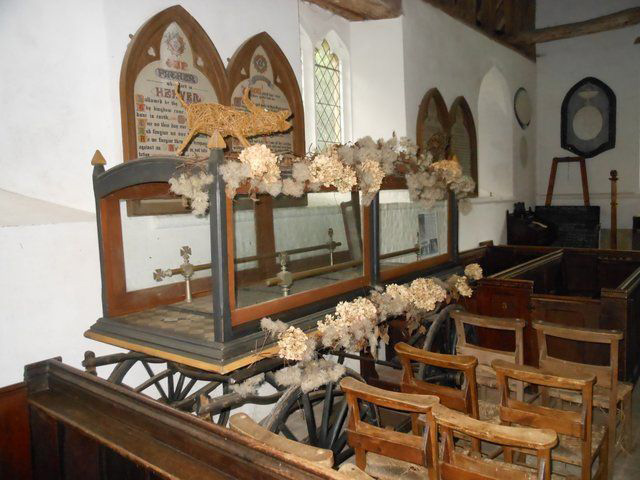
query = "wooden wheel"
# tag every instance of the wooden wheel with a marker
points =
(317, 418)
(173, 384)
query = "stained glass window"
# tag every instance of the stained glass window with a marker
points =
(328, 102)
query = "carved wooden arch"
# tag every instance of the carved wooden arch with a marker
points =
(432, 95)
(139, 55)
(238, 70)
(460, 103)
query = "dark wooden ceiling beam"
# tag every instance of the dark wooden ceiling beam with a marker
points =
(362, 9)
(624, 18)
(481, 16)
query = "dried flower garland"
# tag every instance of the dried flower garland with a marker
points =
(194, 188)
(359, 324)
(364, 164)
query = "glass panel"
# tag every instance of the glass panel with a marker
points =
(320, 234)
(408, 231)
(327, 96)
(155, 242)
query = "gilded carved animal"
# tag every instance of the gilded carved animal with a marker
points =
(219, 121)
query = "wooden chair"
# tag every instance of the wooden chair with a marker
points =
(608, 392)
(463, 399)
(242, 423)
(484, 373)
(579, 442)
(381, 453)
(455, 464)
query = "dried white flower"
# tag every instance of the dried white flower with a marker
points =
(371, 176)
(194, 188)
(234, 174)
(274, 188)
(292, 187)
(300, 172)
(273, 328)
(426, 293)
(351, 327)
(249, 386)
(473, 271)
(330, 171)
(294, 345)
(449, 170)
(394, 301)
(310, 375)
(262, 162)
(459, 286)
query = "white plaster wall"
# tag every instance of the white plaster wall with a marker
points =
(50, 294)
(444, 53)
(378, 81)
(613, 58)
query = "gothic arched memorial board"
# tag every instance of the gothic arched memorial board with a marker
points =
(260, 65)
(588, 122)
(433, 117)
(463, 140)
(169, 48)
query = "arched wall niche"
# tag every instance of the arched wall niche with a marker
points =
(433, 117)
(463, 142)
(260, 64)
(146, 51)
(495, 136)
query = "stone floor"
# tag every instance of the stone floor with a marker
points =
(627, 465)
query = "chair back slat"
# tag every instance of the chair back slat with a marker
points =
(576, 424)
(606, 375)
(464, 400)
(487, 355)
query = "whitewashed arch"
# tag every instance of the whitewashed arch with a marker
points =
(307, 46)
(495, 136)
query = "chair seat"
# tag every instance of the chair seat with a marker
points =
(569, 449)
(514, 467)
(489, 411)
(383, 468)
(488, 380)
(600, 394)
(389, 374)
(351, 472)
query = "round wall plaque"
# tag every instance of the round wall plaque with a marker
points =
(522, 107)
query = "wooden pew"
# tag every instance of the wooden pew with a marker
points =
(84, 427)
